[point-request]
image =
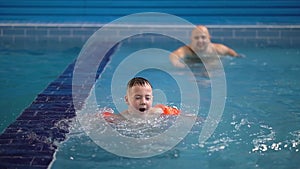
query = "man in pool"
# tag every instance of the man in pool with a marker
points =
(200, 46)
(139, 99)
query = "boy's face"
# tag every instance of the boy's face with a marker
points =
(139, 98)
(199, 40)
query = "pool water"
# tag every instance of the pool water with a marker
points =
(259, 126)
(24, 74)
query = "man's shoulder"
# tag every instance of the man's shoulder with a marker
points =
(187, 50)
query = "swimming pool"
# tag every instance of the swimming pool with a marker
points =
(24, 74)
(259, 126)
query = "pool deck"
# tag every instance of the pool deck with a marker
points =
(31, 141)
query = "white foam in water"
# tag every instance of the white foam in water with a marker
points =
(139, 129)
(108, 133)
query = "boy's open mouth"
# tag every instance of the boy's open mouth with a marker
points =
(142, 109)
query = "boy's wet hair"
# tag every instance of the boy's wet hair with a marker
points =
(140, 81)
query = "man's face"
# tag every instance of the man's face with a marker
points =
(199, 40)
(139, 98)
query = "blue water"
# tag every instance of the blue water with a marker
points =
(259, 126)
(26, 73)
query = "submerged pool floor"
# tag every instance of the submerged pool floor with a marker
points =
(30, 140)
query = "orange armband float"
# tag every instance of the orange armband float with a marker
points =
(168, 110)
(106, 114)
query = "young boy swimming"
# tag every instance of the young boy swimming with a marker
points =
(139, 99)
(200, 46)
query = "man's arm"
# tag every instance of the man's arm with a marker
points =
(224, 50)
(177, 56)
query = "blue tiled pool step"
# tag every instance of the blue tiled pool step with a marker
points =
(30, 141)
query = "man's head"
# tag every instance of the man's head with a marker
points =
(139, 94)
(200, 38)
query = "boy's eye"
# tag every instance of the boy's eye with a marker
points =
(140, 97)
